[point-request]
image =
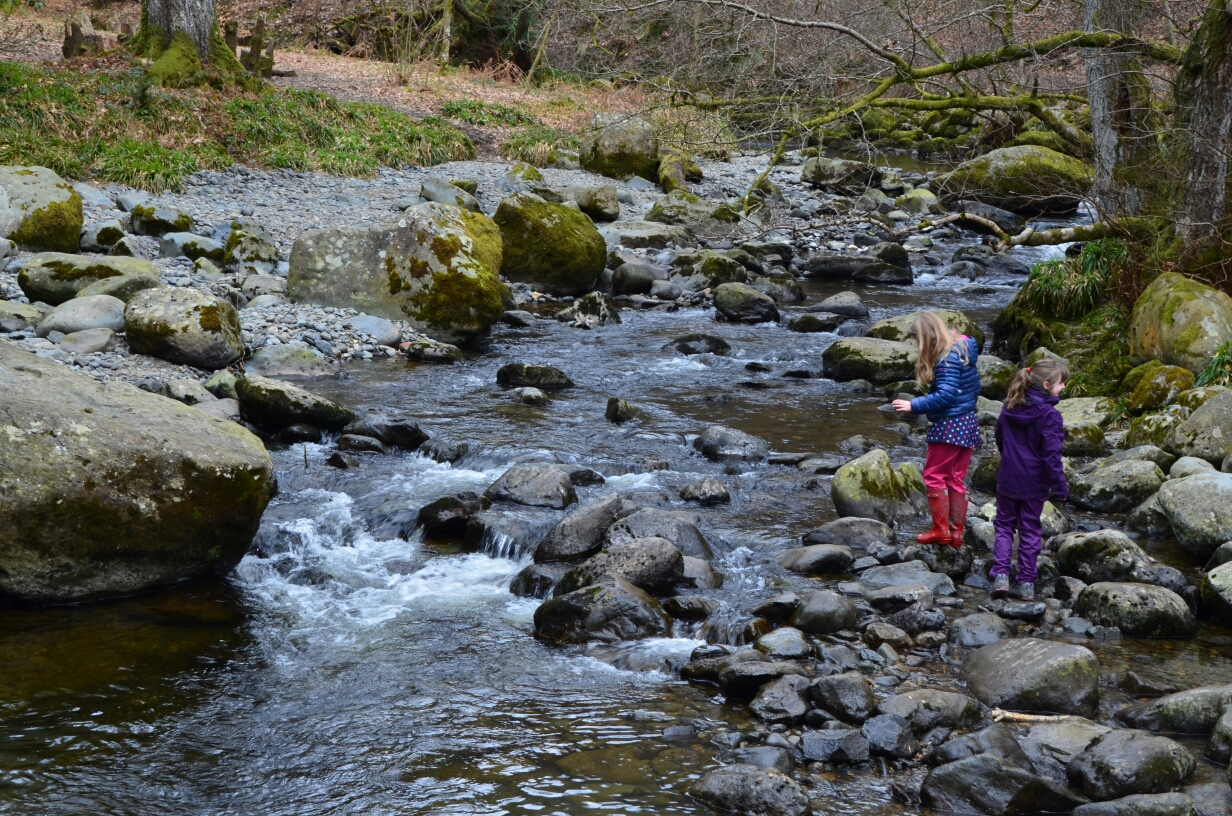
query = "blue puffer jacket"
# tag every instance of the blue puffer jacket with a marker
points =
(955, 386)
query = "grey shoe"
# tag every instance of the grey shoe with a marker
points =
(1025, 592)
(1000, 586)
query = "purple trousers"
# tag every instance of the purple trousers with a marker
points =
(1021, 516)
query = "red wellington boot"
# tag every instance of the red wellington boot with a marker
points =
(958, 518)
(939, 506)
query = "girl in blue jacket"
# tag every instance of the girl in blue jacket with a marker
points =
(946, 364)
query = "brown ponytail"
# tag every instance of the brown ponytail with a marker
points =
(1046, 370)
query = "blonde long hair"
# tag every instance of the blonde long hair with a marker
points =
(1046, 370)
(934, 339)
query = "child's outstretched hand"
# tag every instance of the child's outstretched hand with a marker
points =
(902, 406)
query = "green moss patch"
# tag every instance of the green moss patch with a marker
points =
(54, 228)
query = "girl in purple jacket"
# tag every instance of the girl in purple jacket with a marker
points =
(1029, 436)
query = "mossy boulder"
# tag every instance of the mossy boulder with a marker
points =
(1138, 610)
(995, 376)
(1180, 322)
(39, 211)
(274, 404)
(435, 267)
(1026, 674)
(598, 202)
(1154, 429)
(1025, 179)
(869, 358)
(1116, 488)
(190, 245)
(682, 208)
(121, 286)
(184, 326)
(621, 146)
(111, 491)
(871, 487)
(1137, 373)
(917, 202)
(898, 328)
(715, 266)
(54, 277)
(152, 218)
(842, 176)
(249, 249)
(1100, 410)
(741, 303)
(551, 246)
(1159, 388)
(1207, 433)
(16, 317)
(1084, 438)
(676, 169)
(1195, 398)
(446, 192)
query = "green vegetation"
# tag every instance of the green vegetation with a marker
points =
(1218, 370)
(1076, 286)
(118, 127)
(486, 114)
(538, 145)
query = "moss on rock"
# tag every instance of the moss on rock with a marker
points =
(1159, 388)
(550, 245)
(55, 277)
(1027, 179)
(1179, 321)
(39, 211)
(870, 487)
(621, 146)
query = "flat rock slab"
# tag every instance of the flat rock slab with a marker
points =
(1034, 675)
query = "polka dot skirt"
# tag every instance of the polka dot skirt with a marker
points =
(962, 430)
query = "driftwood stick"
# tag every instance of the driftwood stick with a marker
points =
(999, 714)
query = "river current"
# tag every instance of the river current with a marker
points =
(349, 667)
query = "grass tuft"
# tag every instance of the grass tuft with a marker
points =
(115, 126)
(1218, 369)
(486, 114)
(538, 145)
(1076, 286)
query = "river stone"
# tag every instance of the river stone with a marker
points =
(15, 317)
(39, 211)
(1158, 804)
(580, 533)
(784, 643)
(54, 277)
(1207, 433)
(620, 146)
(184, 326)
(189, 392)
(447, 516)
(1116, 488)
(443, 192)
(847, 304)
(634, 278)
(1179, 321)
(651, 522)
(691, 344)
(706, 491)
(610, 612)
(996, 740)
(390, 429)
(1190, 466)
(1186, 712)
(1195, 398)
(652, 564)
(249, 249)
(1083, 439)
(435, 267)
(978, 630)
(824, 613)
(843, 176)
(1211, 799)
(1099, 410)
(534, 485)
(722, 444)
(1024, 179)
(815, 323)
(1221, 556)
(1154, 429)
(287, 361)
(89, 341)
(752, 790)
(1199, 511)
(859, 533)
(522, 375)
(155, 219)
(898, 328)
(906, 574)
(1102, 555)
(80, 314)
(273, 405)
(868, 358)
(101, 236)
(121, 286)
(190, 245)
(987, 784)
(1147, 453)
(1052, 745)
(1138, 610)
(870, 487)
(778, 608)
(1035, 676)
(741, 303)
(599, 202)
(536, 580)
(893, 599)
(742, 681)
(1158, 388)
(835, 745)
(644, 234)
(817, 559)
(554, 247)
(782, 700)
(926, 709)
(708, 669)
(183, 491)
(1217, 593)
(890, 735)
(1219, 749)
(765, 756)
(1126, 762)
(848, 696)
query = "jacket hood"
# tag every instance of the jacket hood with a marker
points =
(1038, 403)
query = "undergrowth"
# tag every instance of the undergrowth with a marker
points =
(1218, 369)
(115, 126)
(1076, 286)
(538, 144)
(486, 114)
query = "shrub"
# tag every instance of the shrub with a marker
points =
(1076, 286)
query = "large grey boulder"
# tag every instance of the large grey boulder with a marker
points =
(652, 564)
(111, 491)
(848, 696)
(1199, 511)
(978, 630)
(1127, 762)
(1138, 610)
(1052, 745)
(1116, 488)
(610, 612)
(553, 247)
(435, 267)
(741, 303)
(926, 709)
(638, 234)
(82, 313)
(15, 317)
(898, 327)
(675, 526)
(184, 326)
(824, 613)
(122, 287)
(1186, 712)
(441, 191)
(599, 202)
(39, 211)
(274, 404)
(871, 487)
(54, 277)
(1035, 676)
(1024, 179)
(988, 784)
(1207, 433)
(1110, 555)
(620, 146)
(249, 249)
(723, 444)
(890, 735)
(1179, 321)
(997, 740)
(751, 790)
(534, 485)
(285, 360)
(580, 533)
(868, 358)
(859, 533)
(817, 559)
(906, 574)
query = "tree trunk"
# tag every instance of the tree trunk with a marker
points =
(1203, 126)
(196, 18)
(1121, 113)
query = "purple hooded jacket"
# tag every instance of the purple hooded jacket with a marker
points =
(1029, 437)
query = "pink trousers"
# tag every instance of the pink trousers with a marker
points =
(945, 467)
